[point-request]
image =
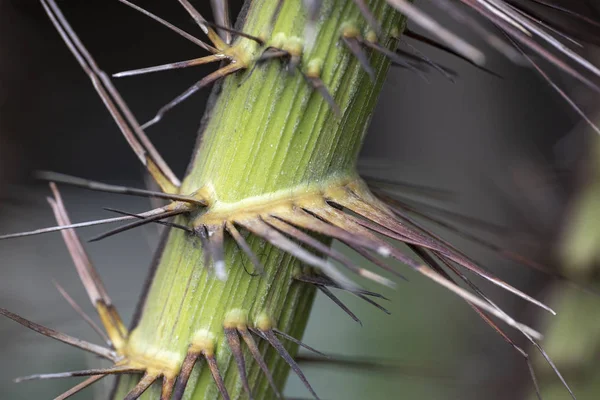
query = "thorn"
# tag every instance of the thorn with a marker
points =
(61, 337)
(216, 374)
(259, 358)
(299, 343)
(114, 103)
(368, 16)
(243, 245)
(147, 220)
(355, 48)
(180, 32)
(426, 22)
(87, 372)
(339, 303)
(167, 388)
(138, 216)
(317, 84)
(271, 235)
(170, 66)
(201, 21)
(310, 241)
(184, 374)
(446, 49)
(221, 13)
(82, 313)
(143, 385)
(202, 83)
(234, 345)
(239, 33)
(324, 281)
(103, 187)
(77, 388)
(271, 338)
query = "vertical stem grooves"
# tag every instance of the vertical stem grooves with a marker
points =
(270, 132)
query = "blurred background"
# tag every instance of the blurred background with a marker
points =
(509, 149)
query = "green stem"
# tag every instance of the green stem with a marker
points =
(268, 135)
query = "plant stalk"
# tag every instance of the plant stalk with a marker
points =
(269, 137)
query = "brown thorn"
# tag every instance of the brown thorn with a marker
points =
(221, 14)
(392, 56)
(415, 234)
(243, 245)
(527, 40)
(104, 187)
(440, 46)
(83, 265)
(114, 103)
(201, 21)
(366, 236)
(355, 48)
(166, 214)
(170, 66)
(324, 281)
(271, 338)
(182, 33)
(317, 84)
(339, 303)
(421, 58)
(138, 216)
(184, 374)
(561, 92)
(167, 388)
(432, 262)
(77, 388)
(61, 337)
(374, 303)
(216, 374)
(207, 80)
(420, 18)
(143, 385)
(368, 16)
(456, 12)
(305, 219)
(86, 372)
(377, 262)
(271, 235)
(326, 250)
(258, 358)
(239, 33)
(82, 313)
(233, 341)
(299, 343)
(64, 227)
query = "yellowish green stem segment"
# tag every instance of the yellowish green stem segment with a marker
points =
(268, 135)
